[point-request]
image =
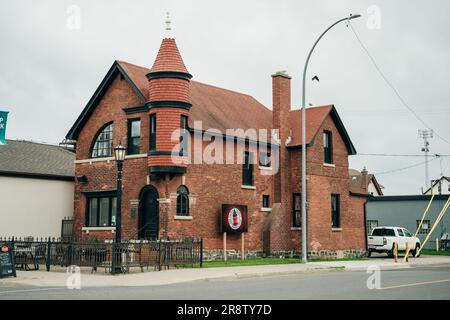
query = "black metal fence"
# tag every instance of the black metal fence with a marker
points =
(33, 254)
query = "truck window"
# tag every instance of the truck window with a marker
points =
(390, 233)
(377, 232)
(400, 233)
(383, 232)
(407, 233)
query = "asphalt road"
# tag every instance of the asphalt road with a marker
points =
(426, 282)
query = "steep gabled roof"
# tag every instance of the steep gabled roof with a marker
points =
(115, 69)
(356, 183)
(30, 159)
(315, 117)
(436, 182)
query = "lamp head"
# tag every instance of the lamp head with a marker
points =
(354, 16)
(119, 152)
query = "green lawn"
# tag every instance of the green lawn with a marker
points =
(248, 262)
(435, 253)
(342, 259)
(265, 261)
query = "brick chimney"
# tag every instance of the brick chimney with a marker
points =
(364, 179)
(280, 226)
(281, 97)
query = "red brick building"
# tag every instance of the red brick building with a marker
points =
(167, 192)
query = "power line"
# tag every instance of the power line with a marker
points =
(392, 87)
(404, 168)
(401, 155)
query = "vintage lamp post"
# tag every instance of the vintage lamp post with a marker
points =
(119, 155)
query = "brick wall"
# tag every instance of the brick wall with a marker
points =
(212, 185)
(322, 181)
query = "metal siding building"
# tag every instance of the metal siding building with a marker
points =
(405, 211)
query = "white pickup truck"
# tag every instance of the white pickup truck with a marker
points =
(382, 240)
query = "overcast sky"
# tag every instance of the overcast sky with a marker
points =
(49, 71)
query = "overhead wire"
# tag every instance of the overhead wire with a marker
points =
(383, 76)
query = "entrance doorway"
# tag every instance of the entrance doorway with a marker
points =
(148, 214)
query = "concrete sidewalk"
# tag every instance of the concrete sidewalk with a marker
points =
(100, 279)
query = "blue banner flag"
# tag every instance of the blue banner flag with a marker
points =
(3, 117)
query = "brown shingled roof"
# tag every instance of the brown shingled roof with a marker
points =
(169, 58)
(314, 116)
(216, 107)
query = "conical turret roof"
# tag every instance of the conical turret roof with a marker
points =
(169, 58)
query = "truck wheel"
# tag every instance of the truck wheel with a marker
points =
(369, 253)
(416, 250)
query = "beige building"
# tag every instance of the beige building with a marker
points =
(36, 189)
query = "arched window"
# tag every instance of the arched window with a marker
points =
(103, 143)
(182, 201)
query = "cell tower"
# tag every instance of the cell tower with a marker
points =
(425, 135)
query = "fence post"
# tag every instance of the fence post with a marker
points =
(47, 261)
(70, 254)
(12, 244)
(159, 255)
(201, 253)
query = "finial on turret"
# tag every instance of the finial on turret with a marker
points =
(168, 25)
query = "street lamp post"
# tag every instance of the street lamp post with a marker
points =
(304, 231)
(119, 155)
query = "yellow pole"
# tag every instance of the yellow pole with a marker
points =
(421, 221)
(437, 244)
(395, 251)
(407, 251)
(444, 209)
(242, 246)
(225, 246)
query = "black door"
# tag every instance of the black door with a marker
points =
(149, 215)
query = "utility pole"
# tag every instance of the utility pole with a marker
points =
(425, 135)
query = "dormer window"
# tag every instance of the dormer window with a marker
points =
(103, 143)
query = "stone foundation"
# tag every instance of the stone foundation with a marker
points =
(209, 255)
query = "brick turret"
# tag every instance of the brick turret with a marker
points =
(169, 102)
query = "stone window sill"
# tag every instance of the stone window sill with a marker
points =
(134, 156)
(265, 168)
(336, 229)
(266, 209)
(92, 160)
(248, 187)
(296, 229)
(94, 229)
(183, 218)
(109, 159)
(331, 165)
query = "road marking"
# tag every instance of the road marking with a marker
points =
(30, 290)
(415, 284)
